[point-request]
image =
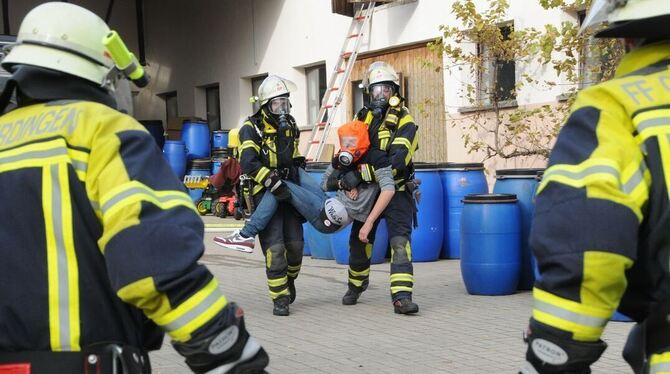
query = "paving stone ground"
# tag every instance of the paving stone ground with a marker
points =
(453, 333)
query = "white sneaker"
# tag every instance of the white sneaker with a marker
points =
(236, 241)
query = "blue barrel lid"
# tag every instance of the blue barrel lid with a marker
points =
(220, 131)
(461, 166)
(426, 166)
(201, 163)
(519, 173)
(490, 198)
(174, 142)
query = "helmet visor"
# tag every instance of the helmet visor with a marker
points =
(280, 105)
(381, 91)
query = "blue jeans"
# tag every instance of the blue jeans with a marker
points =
(307, 198)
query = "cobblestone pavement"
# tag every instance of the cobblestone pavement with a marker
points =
(453, 333)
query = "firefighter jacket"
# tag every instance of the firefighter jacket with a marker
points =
(263, 148)
(396, 134)
(600, 232)
(99, 240)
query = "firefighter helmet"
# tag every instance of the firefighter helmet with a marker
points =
(74, 46)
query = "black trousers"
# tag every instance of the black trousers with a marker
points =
(282, 243)
(399, 218)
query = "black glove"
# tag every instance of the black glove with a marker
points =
(276, 186)
(300, 162)
(550, 352)
(350, 180)
(227, 342)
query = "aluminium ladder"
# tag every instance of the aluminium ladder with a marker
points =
(345, 63)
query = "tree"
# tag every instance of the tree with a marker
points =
(488, 49)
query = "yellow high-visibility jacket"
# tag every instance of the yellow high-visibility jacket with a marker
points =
(601, 228)
(97, 234)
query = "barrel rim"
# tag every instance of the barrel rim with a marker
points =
(317, 165)
(492, 198)
(461, 166)
(175, 142)
(521, 172)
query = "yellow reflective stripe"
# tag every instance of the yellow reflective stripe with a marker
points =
(603, 279)
(249, 144)
(294, 268)
(412, 149)
(636, 180)
(401, 277)
(368, 250)
(275, 295)
(134, 191)
(268, 259)
(272, 153)
(356, 282)
(402, 141)
(363, 273)
(191, 314)
(664, 147)
(257, 188)
(34, 155)
(395, 289)
(586, 322)
(392, 118)
(659, 363)
(261, 174)
(405, 120)
(277, 282)
(368, 118)
(62, 267)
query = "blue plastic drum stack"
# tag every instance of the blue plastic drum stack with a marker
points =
(319, 244)
(490, 244)
(174, 151)
(219, 139)
(458, 180)
(200, 167)
(428, 236)
(196, 137)
(218, 158)
(523, 183)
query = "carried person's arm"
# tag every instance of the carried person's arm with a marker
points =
(384, 177)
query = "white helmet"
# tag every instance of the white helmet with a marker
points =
(380, 71)
(334, 216)
(274, 86)
(629, 18)
(63, 37)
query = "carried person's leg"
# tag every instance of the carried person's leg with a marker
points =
(308, 202)
(399, 217)
(295, 243)
(244, 239)
(359, 263)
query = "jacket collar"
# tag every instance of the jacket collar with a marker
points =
(642, 57)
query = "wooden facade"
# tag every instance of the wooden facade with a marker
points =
(422, 84)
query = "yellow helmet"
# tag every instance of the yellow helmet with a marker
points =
(63, 37)
(630, 18)
(234, 138)
(274, 86)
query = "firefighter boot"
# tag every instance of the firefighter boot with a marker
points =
(405, 306)
(291, 289)
(281, 306)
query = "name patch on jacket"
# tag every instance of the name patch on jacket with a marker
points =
(53, 121)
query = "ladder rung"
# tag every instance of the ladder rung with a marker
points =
(326, 107)
(315, 141)
(334, 88)
(346, 54)
(309, 159)
(359, 18)
(339, 71)
(321, 124)
(353, 36)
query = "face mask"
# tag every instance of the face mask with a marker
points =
(279, 105)
(380, 94)
(354, 142)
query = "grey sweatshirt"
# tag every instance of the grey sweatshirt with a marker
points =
(360, 208)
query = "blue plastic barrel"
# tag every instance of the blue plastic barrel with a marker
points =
(339, 242)
(427, 238)
(620, 317)
(196, 137)
(319, 243)
(491, 244)
(220, 139)
(523, 183)
(458, 180)
(155, 128)
(174, 151)
(200, 167)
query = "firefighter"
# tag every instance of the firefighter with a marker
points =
(601, 226)
(392, 130)
(99, 257)
(269, 154)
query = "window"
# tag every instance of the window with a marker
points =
(316, 88)
(255, 83)
(213, 107)
(170, 99)
(497, 78)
